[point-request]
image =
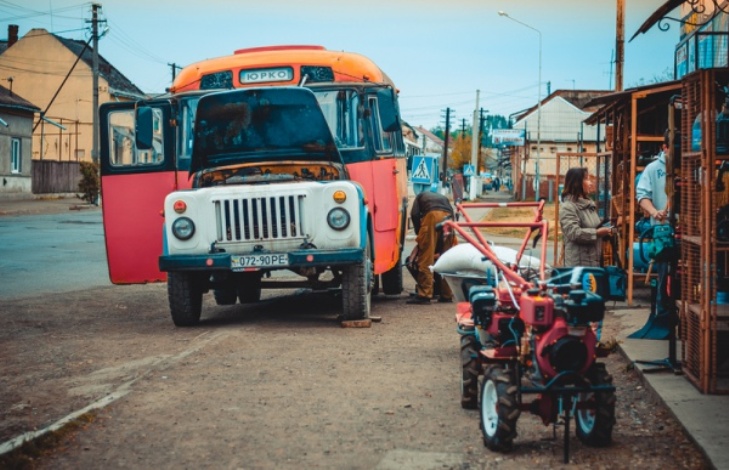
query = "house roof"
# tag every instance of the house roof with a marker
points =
(117, 81)
(602, 103)
(8, 100)
(581, 99)
(432, 137)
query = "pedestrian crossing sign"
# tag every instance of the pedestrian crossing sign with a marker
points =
(423, 171)
(469, 170)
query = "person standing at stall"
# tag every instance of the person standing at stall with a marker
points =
(652, 198)
(580, 221)
(430, 209)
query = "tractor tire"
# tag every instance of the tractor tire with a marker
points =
(499, 410)
(392, 283)
(594, 425)
(184, 293)
(357, 282)
(470, 370)
(249, 288)
(225, 296)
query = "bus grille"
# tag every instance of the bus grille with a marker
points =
(258, 218)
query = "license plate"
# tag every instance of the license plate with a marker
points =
(283, 74)
(267, 260)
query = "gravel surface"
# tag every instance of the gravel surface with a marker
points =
(279, 384)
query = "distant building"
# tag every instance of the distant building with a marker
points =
(560, 129)
(38, 64)
(429, 142)
(16, 131)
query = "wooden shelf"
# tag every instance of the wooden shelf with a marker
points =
(722, 313)
(691, 239)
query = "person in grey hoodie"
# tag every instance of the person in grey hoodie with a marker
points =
(652, 198)
(580, 221)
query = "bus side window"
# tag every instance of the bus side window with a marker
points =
(123, 151)
(381, 139)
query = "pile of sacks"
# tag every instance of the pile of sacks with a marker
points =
(464, 262)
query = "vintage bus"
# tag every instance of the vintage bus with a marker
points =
(248, 183)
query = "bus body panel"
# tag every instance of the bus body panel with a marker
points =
(347, 66)
(379, 180)
(132, 214)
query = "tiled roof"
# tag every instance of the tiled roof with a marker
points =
(113, 76)
(12, 100)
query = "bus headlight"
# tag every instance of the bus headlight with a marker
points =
(338, 218)
(183, 228)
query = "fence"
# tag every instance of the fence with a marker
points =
(50, 177)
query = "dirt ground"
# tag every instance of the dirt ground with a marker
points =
(279, 384)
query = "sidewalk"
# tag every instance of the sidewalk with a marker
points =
(705, 418)
(27, 204)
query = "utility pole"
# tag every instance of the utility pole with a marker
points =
(444, 174)
(475, 146)
(175, 68)
(619, 45)
(95, 82)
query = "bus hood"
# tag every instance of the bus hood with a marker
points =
(258, 125)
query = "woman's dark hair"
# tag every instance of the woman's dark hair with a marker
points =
(573, 183)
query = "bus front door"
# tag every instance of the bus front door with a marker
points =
(134, 183)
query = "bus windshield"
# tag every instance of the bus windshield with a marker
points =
(340, 108)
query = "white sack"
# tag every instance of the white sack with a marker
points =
(466, 257)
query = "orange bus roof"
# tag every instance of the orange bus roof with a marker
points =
(347, 66)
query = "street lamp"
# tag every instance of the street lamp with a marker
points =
(539, 98)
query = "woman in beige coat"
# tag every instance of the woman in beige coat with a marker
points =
(579, 221)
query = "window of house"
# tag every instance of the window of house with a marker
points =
(15, 158)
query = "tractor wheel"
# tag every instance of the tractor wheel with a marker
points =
(184, 292)
(249, 288)
(594, 425)
(225, 296)
(499, 410)
(392, 279)
(357, 282)
(470, 370)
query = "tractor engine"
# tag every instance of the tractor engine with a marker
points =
(562, 340)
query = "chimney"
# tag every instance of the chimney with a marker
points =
(12, 34)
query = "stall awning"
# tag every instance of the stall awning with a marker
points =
(661, 12)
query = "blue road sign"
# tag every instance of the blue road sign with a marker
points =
(423, 170)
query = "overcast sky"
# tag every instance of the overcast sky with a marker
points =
(438, 52)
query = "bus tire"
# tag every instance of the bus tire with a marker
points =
(225, 296)
(184, 293)
(249, 288)
(392, 279)
(357, 282)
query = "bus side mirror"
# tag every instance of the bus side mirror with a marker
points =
(388, 110)
(143, 127)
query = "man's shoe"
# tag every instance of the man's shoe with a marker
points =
(418, 300)
(445, 301)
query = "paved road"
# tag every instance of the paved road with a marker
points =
(51, 253)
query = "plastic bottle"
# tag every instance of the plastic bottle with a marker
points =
(722, 126)
(696, 134)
